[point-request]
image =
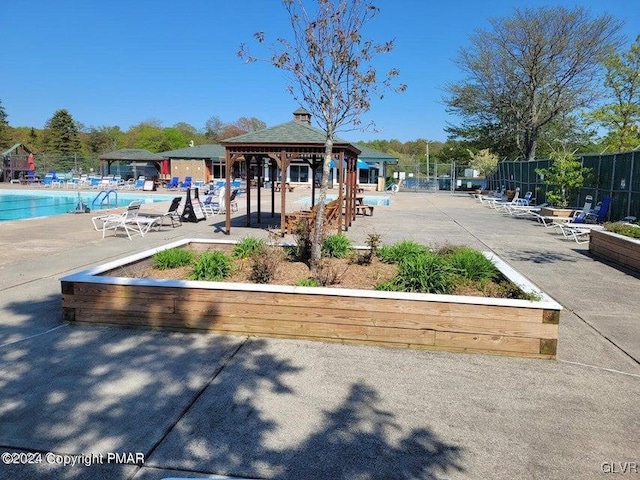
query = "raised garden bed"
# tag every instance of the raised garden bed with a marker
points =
(415, 320)
(615, 248)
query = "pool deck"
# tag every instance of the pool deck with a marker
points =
(199, 405)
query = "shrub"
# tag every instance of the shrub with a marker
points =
(212, 266)
(265, 266)
(326, 274)
(248, 247)
(472, 264)
(422, 273)
(622, 229)
(401, 250)
(302, 234)
(172, 258)
(336, 246)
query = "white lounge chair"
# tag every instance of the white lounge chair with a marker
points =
(128, 220)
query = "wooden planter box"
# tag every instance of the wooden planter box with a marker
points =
(556, 212)
(615, 248)
(440, 322)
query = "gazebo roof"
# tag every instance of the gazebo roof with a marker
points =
(291, 133)
(205, 152)
(14, 148)
(130, 154)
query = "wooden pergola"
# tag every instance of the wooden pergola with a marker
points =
(128, 155)
(277, 147)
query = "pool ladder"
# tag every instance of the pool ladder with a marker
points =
(105, 196)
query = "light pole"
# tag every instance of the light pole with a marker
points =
(427, 162)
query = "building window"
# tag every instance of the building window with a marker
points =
(369, 175)
(299, 173)
(219, 170)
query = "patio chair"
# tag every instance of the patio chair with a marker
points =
(172, 214)
(496, 204)
(599, 213)
(582, 226)
(126, 220)
(139, 185)
(550, 221)
(212, 207)
(48, 180)
(173, 184)
(187, 183)
(578, 231)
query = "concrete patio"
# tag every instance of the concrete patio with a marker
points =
(198, 405)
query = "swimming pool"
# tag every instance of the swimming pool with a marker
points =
(20, 205)
(383, 200)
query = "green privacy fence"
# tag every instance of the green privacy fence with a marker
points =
(615, 175)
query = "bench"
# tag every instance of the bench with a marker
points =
(278, 187)
(364, 209)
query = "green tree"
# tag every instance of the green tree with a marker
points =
(565, 177)
(103, 139)
(621, 117)
(331, 73)
(61, 134)
(484, 161)
(527, 71)
(5, 131)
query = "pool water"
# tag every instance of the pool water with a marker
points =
(23, 205)
(382, 200)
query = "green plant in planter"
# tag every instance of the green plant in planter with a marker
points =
(622, 229)
(401, 250)
(172, 258)
(249, 246)
(308, 282)
(422, 273)
(565, 177)
(212, 266)
(336, 246)
(472, 264)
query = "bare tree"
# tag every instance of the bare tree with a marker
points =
(330, 72)
(530, 69)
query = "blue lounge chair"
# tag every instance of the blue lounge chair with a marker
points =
(174, 183)
(187, 183)
(48, 180)
(599, 213)
(139, 183)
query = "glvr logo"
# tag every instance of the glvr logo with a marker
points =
(620, 467)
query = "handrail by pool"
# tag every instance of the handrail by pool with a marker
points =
(105, 196)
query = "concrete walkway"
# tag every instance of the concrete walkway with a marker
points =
(197, 405)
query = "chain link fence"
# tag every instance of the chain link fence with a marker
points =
(16, 166)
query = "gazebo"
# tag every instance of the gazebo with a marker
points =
(129, 155)
(277, 147)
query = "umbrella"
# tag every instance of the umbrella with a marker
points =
(164, 167)
(31, 163)
(362, 165)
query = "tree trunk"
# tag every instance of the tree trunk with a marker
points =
(317, 238)
(531, 145)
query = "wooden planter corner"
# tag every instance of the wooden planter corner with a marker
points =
(615, 248)
(439, 322)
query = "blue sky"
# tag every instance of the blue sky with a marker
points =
(122, 62)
